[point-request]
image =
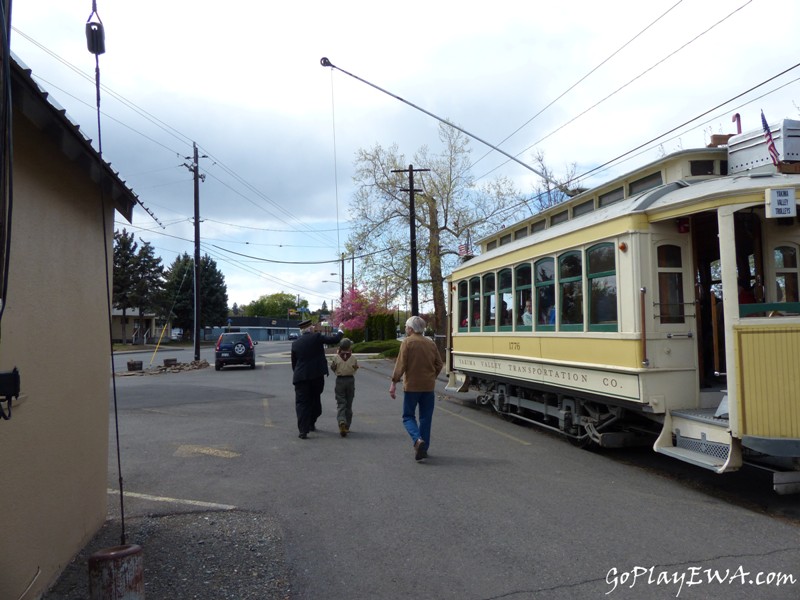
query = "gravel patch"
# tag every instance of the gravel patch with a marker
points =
(206, 555)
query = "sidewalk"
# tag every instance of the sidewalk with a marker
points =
(234, 555)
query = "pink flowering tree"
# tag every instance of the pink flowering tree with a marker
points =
(356, 306)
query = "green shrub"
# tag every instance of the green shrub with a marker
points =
(355, 335)
(386, 348)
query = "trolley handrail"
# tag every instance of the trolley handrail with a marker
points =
(715, 332)
(643, 307)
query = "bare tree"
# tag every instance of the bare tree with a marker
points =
(552, 189)
(449, 208)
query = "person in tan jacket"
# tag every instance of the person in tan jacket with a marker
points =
(345, 365)
(418, 364)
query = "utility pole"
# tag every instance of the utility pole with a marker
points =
(413, 233)
(196, 255)
(343, 277)
(194, 168)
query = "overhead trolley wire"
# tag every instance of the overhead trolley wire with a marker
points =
(700, 116)
(581, 80)
(622, 87)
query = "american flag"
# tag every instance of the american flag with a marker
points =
(773, 151)
(462, 249)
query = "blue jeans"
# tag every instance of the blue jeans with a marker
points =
(422, 429)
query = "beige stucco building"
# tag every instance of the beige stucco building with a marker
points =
(55, 330)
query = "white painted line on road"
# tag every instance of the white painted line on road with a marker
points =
(492, 429)
(199, 503)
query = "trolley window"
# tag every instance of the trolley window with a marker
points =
(570, 281)
(463, 306)
(602, 274)
(505, 315)
(545, 294)
(489, 302)
(475, 304)
(786, 273)
(670, 284)
(522, 289)
(786, 300)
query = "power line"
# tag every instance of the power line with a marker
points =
(574, 85)
(701, 115)
(299, 227)
(622, 87)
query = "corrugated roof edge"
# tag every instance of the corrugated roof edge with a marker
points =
(43, 111)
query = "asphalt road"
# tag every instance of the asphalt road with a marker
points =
(497, 511)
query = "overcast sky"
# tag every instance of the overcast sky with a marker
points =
(243, 80)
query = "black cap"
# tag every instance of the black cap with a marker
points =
(304, 324)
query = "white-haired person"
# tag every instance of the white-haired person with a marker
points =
(418, 364)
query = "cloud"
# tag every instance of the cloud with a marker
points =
(244, 81)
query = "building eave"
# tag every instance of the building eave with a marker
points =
(34, 104)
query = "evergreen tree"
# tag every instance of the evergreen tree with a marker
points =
(148, 287)
(213, 292)
(125, 247)
(179, 291)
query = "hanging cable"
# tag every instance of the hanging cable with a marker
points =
(95, 41)
(325, 62)
(6, 165)
(335, 168)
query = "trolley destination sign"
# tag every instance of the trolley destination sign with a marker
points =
(781, 203)
(619, 385)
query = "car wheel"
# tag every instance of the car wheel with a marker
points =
(217, 366)
(253, 365)
(239, 349)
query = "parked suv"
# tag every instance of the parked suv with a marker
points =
(235, 349)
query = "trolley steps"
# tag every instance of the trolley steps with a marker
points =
(699, 437)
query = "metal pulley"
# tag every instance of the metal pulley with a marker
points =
(95, 36)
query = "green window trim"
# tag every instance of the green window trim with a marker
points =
(545, 287)
(474, 306)
(592, 258)
(488, 293)
(575, 282)
(463, 296)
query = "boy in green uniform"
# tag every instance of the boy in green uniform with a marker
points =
(345, 365)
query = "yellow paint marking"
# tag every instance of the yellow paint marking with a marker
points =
(175, 500)
(267, 420)
(492, 429)
(190, 450)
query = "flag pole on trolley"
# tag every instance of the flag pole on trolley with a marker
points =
(773, 151)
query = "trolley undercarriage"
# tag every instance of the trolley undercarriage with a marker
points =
(583, 420)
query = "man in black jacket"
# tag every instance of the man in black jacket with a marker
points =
(310, 366)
